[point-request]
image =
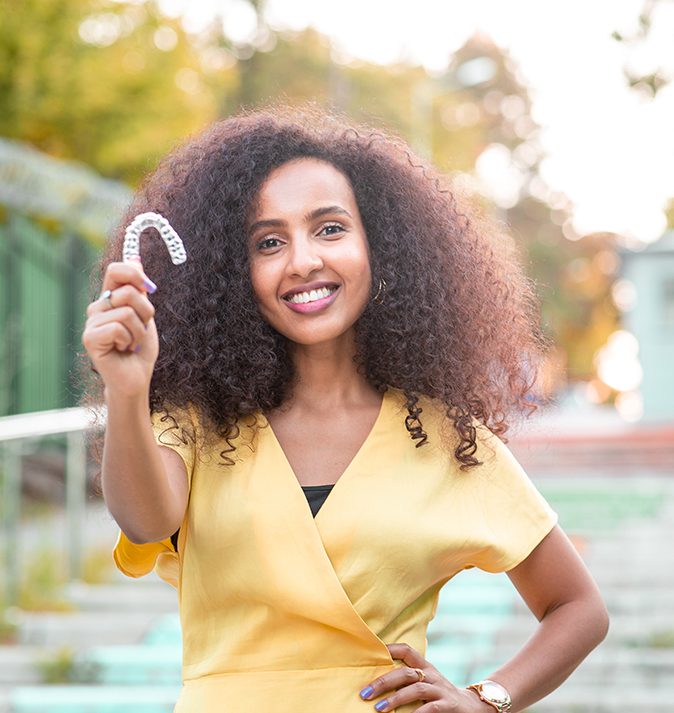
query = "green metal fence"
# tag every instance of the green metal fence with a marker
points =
(53, 214)
(44, 289)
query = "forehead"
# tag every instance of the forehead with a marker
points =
(302, 183)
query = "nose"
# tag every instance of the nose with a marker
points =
(304, 258)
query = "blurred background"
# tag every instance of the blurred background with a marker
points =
(557, 118)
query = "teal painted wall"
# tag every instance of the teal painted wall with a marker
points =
(652, 323)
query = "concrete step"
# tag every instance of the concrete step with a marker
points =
(89, 699)
(593, 698)
(155, 597)
(18, 664)
(153, 665)
(83, 629)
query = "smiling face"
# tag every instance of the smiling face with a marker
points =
(310, 264)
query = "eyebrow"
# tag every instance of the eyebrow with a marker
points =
(318, 213)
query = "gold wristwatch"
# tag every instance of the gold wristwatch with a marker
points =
(494, 694)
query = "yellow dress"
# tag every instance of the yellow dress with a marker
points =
(282, 612)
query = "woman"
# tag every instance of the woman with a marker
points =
(343, 326)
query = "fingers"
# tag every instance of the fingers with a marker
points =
(405, 685)
(405, 678)
(125, 296)
(121, 327)
(119, 319)
(407, 654)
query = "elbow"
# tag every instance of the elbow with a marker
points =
(138, 538)
(144, 537)
(596, 621)
(143, 533)
(603, 622)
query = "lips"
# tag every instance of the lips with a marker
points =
(307, 299)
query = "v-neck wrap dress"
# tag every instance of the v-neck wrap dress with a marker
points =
(286, 613)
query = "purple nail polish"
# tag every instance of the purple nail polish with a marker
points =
(135, 351)
(149, 285)
(381, 705)
(366, 692)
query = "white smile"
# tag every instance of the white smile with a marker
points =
(300, 298)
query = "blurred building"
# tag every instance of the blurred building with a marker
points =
(53, 219)
(651, 321)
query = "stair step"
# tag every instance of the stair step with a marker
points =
(155, 597)
(18, 664)
(134, 665)
(81, 629)
(593, 698)
(93, 699)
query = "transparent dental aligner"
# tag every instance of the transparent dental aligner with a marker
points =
(153, 220)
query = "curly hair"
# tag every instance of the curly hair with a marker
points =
(456, 320)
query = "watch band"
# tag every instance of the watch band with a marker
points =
(494, 694)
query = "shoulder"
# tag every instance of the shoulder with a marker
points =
(438, 423)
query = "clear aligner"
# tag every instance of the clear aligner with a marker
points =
(153, 220)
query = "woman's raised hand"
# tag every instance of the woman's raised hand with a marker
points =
(120, 335)
(433, 691)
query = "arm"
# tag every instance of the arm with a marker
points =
(557, 587)
(559, 590)
(145, 486)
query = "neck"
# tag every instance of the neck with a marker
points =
(327, 375)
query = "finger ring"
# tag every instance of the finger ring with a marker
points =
(106, 298)
(421, 674)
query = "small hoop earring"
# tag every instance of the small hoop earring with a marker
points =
(381, 291)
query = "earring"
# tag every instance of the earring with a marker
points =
(381, 291)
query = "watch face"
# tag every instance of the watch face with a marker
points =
(494, 692)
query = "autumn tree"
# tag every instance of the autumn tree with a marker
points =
(111, 84)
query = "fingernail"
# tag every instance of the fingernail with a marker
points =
(147, 326)
(366, 692)
(149, 285)
(135, 351)
(381, 705)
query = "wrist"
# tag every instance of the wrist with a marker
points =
(493, 695)
(127, 404)
(474, 704)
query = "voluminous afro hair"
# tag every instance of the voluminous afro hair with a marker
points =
(456, 320)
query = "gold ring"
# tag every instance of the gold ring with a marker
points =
(106, 298)
(421, 674)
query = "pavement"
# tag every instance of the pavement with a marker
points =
(119, 646)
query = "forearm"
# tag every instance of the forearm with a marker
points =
(563, 638)
(136, 486)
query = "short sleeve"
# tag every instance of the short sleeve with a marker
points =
(139, 560)
(177, 432)
(508, 508)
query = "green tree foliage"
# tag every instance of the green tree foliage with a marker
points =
(110, 83)
(648, 83)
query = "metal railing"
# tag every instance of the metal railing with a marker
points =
(14, 431)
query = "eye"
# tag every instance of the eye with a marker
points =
(332, 229)
(268, 244)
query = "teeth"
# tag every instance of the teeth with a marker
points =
(304, 297)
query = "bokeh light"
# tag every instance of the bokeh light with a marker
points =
(618, 364)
